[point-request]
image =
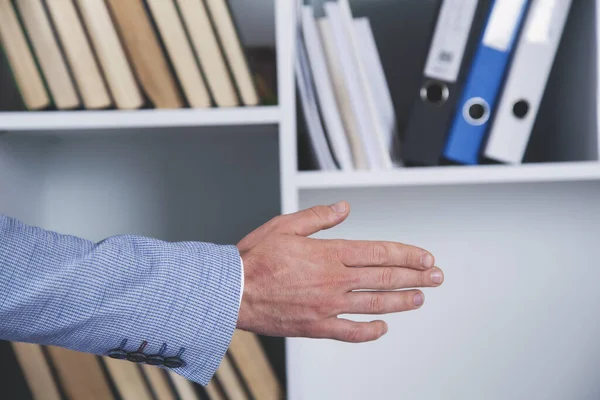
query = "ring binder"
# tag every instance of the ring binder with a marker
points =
(527, 81)
(452, 46)
(484, 83)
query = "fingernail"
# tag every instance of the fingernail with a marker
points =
(339, 208)
(436, 277)
(418, 299)
(385, 329)
(427, 261)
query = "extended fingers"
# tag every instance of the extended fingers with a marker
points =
(382, 302)
(350, 331)
(390, 278)
(312, 220)
(303, 223)
(372, 253)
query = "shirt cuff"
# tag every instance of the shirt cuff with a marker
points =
(242, 280)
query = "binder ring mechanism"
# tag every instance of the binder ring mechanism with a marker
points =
(476, 111)
(435, 92)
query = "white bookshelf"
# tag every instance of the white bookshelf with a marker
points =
(451, 175)
(489, 226)
(123, 119)
(511, 321)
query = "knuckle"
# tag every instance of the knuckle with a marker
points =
(319, 308)
(423, 280)
(324, 307)
(379, 253)
(409, 254)
(376, 304)
(338, 250)
(352, 334)
(311, 329)
(386, 277)
(317, 211)
(330, 254)
(339, 305)
(352, 279)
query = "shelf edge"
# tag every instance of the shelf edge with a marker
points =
(451, 175)
(120, 119)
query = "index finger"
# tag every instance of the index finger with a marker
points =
(382, 254)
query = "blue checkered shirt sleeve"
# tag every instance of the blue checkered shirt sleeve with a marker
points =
(181, 298)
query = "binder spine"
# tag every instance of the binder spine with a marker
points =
(475, 108)
(442, 80)
(527, 80)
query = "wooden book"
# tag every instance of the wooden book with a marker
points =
(180, 52)
(185, 388)
(159, 382)
(45, 46)
(128, 379)
(36, 371)
(214, 392)
(229, 380)
(144, 50)
(21, 60)
(79, 54)
(254, 366)
(234, 52)
(81, 374)
(205, 43)
(106, 42)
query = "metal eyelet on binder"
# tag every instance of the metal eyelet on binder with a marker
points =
(435, 92)
(476, 111)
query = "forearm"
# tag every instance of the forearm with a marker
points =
(66, 291)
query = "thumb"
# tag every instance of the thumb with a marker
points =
(312, 220)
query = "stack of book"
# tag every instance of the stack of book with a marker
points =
(482, 83)
(115, 54)
(53, 373)
(343, 90)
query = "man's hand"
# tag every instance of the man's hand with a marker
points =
(297, 286)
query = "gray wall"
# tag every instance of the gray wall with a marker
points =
(210, 184)
(517, 316)
(256, 21)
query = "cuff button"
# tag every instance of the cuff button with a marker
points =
(138, 356)
(173, 362)
(157, 359)
(117, 354)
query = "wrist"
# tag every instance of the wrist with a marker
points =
(241, 282)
